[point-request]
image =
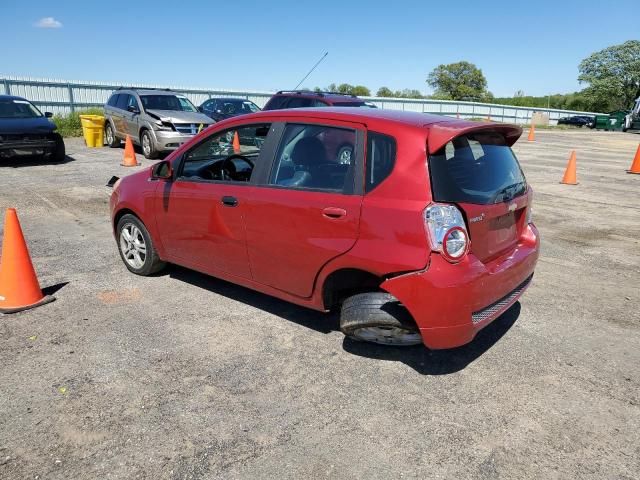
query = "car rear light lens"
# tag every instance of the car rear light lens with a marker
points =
(455, 243)
(447, 231)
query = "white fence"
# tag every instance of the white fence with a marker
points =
(61, 96)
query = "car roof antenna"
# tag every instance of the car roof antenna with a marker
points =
(312, 69)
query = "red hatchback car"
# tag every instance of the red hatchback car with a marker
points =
(422, 233)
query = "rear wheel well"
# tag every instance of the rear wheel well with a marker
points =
(346, 282)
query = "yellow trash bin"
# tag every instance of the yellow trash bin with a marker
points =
(93, 130)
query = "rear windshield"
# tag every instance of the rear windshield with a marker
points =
(477, 168)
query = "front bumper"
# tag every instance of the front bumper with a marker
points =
(451, 303)
(12, 149)
(167, 140)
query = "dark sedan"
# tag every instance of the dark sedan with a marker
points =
(25, 131)
(577, 121)
(222, 108)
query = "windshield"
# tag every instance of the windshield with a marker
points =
(167, 102)
(478, 168)
(232, 107)
(16, 108)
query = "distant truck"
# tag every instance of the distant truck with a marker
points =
(632, 120)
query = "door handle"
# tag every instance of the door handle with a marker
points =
(229, 201)
(334, 212)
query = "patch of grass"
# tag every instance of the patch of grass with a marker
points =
(70, 126)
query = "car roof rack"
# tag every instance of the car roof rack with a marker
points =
(299, 92)
(145, 88)
(313, 92)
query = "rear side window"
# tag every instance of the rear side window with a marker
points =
(123, 100)
(479, 168)
(296, 102)
(113, 100)
(381, 156)
(275, 103)
(315, 157)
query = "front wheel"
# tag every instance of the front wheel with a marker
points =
(59, 151)
(136, 247)
(378, 317)
(148, 147)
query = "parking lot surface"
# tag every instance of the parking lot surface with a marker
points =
(183, 376)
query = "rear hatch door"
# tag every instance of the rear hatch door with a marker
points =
(478, 171)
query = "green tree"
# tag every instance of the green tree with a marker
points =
(458, 81)
(384, 92)
(613, 75)
(349, 89)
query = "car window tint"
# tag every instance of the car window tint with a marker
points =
(381, 157)
(315, 157)
(276, 103)
(113, 100)
(123, 100)
(227, 156)
(133, 102)
(296, 102)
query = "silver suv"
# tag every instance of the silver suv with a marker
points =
(157, 120)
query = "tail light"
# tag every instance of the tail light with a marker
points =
(447, 231)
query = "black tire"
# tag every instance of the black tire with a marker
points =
(59, 151)
(152, 262)
(151, 153)
(109, 131)
(387, 321)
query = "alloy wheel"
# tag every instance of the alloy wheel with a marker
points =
(133, 246)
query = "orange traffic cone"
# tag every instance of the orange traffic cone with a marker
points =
(236, 143)
(635, 166)
(129, 159)
(19, 287)
(570, 173)
(532, 133)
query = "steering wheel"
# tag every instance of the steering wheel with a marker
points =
(241, 157)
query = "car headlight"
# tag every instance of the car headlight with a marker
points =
(161, 125)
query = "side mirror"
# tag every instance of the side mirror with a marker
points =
(162, 171)
(133, 109)
(48, 114)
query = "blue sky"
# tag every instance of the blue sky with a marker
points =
(266, 45)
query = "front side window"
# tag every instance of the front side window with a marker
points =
(17, 108)
(315, 157)
(167, 102)
(228, 156)
(133, 102)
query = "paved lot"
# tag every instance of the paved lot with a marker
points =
(183, 376)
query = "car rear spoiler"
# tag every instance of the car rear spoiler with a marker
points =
(442, 133)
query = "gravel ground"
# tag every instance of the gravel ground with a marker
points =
(182, 376)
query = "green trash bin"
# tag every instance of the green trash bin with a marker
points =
(93, 130)
(602, 122)
(616, 120)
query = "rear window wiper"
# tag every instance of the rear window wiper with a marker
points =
(507, 193)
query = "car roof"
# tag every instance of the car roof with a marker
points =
(441, 129)
(331, 96)
(147, 91)
(12, 97)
